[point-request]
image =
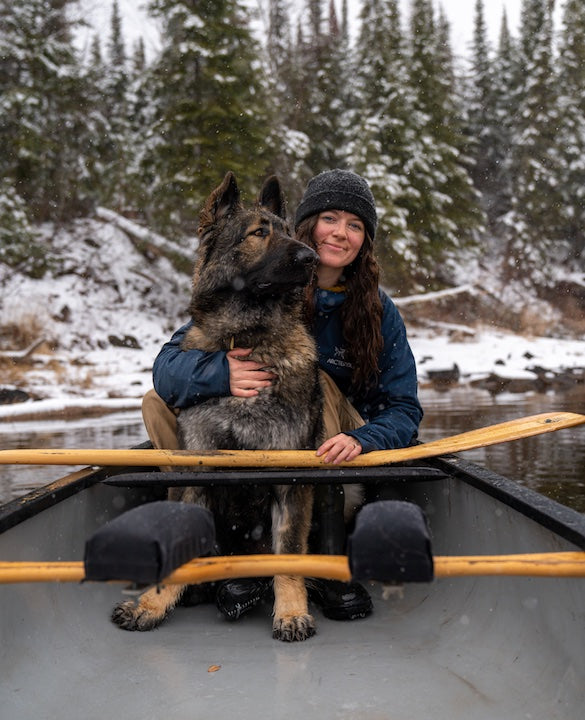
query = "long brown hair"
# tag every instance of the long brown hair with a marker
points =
(361, 311)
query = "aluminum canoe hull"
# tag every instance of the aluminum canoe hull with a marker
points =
(485, 647)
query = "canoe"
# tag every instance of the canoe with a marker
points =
(487, 647)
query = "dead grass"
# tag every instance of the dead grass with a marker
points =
(18, 335)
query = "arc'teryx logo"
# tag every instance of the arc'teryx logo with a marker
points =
(339, 358)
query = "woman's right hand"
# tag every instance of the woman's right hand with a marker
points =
(247, 377)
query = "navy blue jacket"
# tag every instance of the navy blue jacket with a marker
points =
(391, 409)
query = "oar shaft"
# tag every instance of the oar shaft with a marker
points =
(482, 437)
(333, 567)
(567, 564)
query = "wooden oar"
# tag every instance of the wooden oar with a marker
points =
(490, 435)
(333, 567)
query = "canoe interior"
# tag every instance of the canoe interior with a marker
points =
(487, 648)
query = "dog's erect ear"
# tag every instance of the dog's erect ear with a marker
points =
(272, 197)
(222, 201)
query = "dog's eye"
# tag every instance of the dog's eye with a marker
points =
(260, 232)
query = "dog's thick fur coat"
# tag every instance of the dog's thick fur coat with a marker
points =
(248, 288)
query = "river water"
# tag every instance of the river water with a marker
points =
(553, 464)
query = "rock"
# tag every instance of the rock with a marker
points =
(10, 396)
(127, 341)
(444, 378)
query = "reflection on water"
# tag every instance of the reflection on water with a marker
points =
(553, 464)
(119, 430)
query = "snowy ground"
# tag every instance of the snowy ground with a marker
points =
(107, 310)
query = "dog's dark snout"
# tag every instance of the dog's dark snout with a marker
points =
(306, 256)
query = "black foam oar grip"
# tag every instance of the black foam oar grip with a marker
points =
(147, 543)
(391, 544)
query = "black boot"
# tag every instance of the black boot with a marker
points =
(198, 594)
(340, 600)
(237, 596)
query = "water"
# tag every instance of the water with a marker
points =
(553, 464)
(118, 430)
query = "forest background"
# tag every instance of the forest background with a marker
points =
(481, 162)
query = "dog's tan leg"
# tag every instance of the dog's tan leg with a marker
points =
(291, 520)
(149, 612)
(292, 620)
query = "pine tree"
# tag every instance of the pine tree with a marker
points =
(570, 140)
(323, 100)
(482, 125)
(284, 89)
(384, 147)
(445, 216)
(534, 224)
(116, 146)
(505, 97)
(208, 110)
(43, 126)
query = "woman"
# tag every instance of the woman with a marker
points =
(368, 370)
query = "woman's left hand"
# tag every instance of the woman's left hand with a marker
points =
(339, 448)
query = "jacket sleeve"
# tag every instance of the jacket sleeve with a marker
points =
(391, 410)
(185, 377)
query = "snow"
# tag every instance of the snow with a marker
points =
(487, 351)
(106, 309)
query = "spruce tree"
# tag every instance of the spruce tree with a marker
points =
(117, 146)
(505, 95)
(47, 140)
(208, 111)
(446, 216)
(534, 224)
(483, 126)
(384, 147)
(323, 101)
(570, 139)
(284, 89)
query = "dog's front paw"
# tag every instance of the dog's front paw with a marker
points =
(131, 616)
(291, 628)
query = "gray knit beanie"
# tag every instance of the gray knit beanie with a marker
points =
(339, 190)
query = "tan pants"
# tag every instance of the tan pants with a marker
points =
(161, 421)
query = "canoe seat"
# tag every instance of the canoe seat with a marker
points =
(147, 543)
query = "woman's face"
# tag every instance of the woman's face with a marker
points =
(339, 236)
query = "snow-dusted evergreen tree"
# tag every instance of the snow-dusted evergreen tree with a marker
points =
(322, 100)
(288, 144)
(19, 247)
(484, 127)
(384, 146)
(534, 224)
(505, 96)
(571, 135)
(117, 146)
(208, 114)
(446, 214)
(45, 134)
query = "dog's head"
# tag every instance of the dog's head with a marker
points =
(250, 250)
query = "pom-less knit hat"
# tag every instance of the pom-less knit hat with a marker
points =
(339, 190)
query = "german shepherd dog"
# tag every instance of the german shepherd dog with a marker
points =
(248, 288)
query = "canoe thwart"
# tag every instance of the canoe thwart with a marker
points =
(276, 476)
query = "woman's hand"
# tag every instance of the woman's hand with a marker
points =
(247, 376)
(339, 448)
